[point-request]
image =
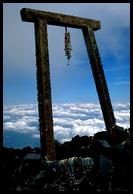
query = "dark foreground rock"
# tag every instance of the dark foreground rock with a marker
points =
(89, 163)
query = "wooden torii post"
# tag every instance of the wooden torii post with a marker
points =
(41, 19)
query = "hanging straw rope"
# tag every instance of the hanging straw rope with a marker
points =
(68, 47)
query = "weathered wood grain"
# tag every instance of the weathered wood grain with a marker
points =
(31, 15)
(44, 91)
(99, 77)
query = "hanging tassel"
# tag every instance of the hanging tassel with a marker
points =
(67, 48)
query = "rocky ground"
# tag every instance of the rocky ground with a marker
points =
(89, 163)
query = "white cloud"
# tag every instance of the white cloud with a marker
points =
(121, 83)
(69, 120)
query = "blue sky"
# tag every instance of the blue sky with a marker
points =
(72, 83)
(76, 109)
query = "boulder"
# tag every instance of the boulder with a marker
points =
(32, 156)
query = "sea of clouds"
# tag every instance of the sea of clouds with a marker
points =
(21, 125)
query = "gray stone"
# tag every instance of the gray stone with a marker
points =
(104, 143)
(32, 157)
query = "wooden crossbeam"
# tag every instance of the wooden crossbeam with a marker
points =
(30, 15)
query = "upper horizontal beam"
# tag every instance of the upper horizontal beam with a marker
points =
(31, 15)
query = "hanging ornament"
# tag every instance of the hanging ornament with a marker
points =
(68, 47)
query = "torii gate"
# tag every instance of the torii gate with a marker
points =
(88, 26)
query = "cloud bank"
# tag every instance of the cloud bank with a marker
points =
(21, 127)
